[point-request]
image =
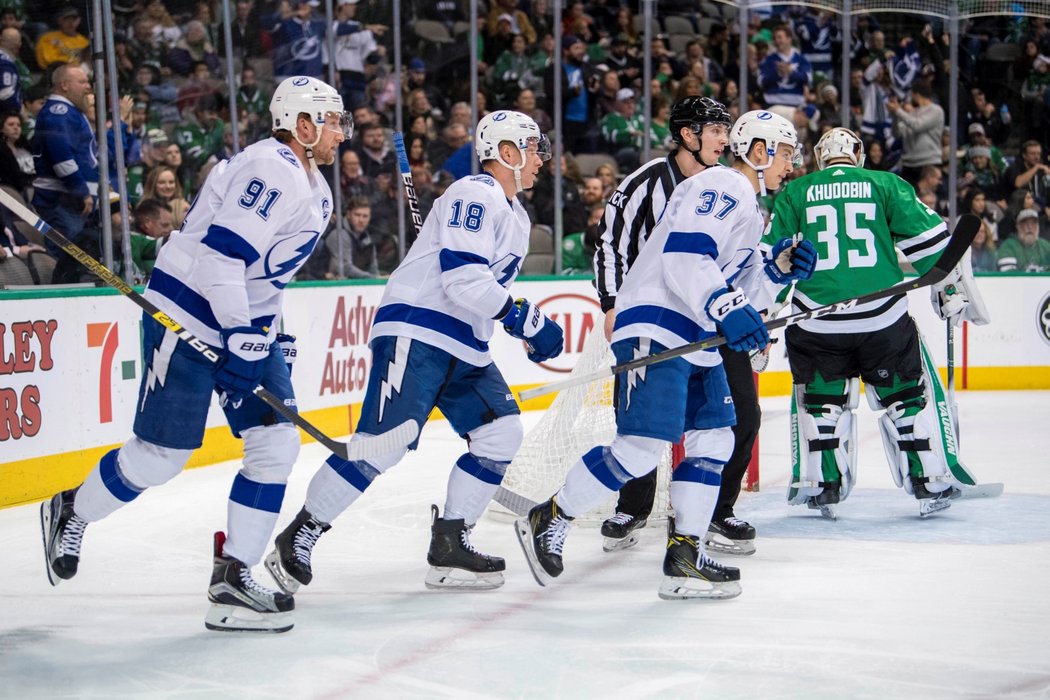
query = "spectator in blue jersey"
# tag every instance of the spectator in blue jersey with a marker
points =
(576, 95)
(66, 158)
(10, 80)
(817, 37)
(297, 39)
(785, 73)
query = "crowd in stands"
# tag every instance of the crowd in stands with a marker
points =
(175, 121)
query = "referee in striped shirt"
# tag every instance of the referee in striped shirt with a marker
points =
(700, 129)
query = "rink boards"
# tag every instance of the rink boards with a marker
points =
(70, 364)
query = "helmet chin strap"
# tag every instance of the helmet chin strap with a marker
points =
(310, 147)
(516, 168)
(760, 172)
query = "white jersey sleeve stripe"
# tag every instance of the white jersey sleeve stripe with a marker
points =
(451, 259)
(695, 242)
(226, 242)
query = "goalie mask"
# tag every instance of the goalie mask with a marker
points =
(839, 144)
(515, 127)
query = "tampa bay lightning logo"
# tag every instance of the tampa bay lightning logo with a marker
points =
(765, 116)
(506, 268)
(499, 116)
(326, 208)
(285, 257)
(300, 81)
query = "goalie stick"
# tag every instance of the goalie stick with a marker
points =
(964, 233)
(365, 446)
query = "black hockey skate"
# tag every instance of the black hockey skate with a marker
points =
(63, 531)
(826, 501)
(542, 535)
(933, 502)
(730, 535)
(619, 531)
(690, 574)
(289, 562)
(454, 562)
(239, 603)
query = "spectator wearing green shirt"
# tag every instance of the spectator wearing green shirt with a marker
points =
(622, 130)
(1026, 252)
(153, 224)
(200, 138)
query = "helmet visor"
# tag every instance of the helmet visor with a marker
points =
(340, 122)
(543, 146)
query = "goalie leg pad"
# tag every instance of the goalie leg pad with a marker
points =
(824, 436)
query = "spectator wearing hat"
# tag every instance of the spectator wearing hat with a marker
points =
(577, 95)
(63, 45)
(501, 40)
(977, 137)
(1034, 95)
(354, 42)
(151, 154)
(623, 129)
(1026, 252)
(417, 80)
(628, 68)
(519, 20)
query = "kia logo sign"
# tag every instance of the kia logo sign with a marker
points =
(577, 315)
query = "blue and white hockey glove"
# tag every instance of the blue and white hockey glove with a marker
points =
(288, 349)
(240, 369)
(789, 264)
(543, 336)
(737, 320)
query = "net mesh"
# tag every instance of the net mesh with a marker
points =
(578, 419)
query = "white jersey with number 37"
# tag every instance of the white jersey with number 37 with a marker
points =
(453, 282)
(707, 239)
(252, 226)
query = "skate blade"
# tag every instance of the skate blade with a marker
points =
(447, 578)
(684, 588)
(45, 531)
(233, 618)
(826, 511)
(524, 532)
(615, 544)
(285, 582)
(926, 509)
(715, 542)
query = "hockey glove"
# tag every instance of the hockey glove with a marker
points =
(288, 350)
(789, 262)
(543, 336)
(737, 320)
(957, 298)
(240, 369)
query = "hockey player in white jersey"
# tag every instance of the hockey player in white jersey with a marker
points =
(429, 346)
(699, 275)
(222, 276)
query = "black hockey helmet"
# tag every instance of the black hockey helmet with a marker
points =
(693, 112)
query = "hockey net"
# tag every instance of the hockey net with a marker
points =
(578, 419)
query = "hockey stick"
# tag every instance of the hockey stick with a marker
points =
(367, 446)
(965, 231)
(406, 179)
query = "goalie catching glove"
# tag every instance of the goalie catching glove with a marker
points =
(957, 298)
(737, 320)
(543, 336)
(789, 262)
(240, 369)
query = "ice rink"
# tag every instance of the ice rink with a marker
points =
(879, 604)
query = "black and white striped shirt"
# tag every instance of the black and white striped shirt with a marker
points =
(630, 216)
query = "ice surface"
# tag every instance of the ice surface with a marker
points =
(879, 604)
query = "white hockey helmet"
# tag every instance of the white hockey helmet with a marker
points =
(839, 143)
(761, 125)
(300, 94)
(506, 125)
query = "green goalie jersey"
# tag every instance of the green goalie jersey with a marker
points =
(858, 220)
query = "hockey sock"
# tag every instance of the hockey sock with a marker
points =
(694, 493)
(336, 485)
(471, 485)
(590, 481)
(252, 512)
